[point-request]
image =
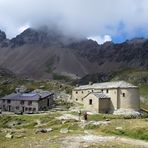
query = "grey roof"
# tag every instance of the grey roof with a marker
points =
(107, 85)
(27, 96)
(101, 95)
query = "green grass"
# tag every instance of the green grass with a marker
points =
(61, 77)
(137, 133)
(134, 76)
(144, 93)
(64, 104)
(133, 128)
(100, 117)
(144, 90)
(27, 121)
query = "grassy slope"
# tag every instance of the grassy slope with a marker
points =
(132, 75)
(144, 93)
(134, 128)
(8, 85)
(144, 90)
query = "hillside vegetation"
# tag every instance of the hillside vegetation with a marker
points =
(9, 82)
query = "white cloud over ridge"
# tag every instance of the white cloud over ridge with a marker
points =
(100, 39)
(78, 17)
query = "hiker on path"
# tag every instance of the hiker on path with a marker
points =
(85, 116)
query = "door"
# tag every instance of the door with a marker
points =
(23, 109)
(9, 108)
(48, 103)
(104, 105)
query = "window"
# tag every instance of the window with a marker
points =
(76, 92)
(29, 102)
(76, 99)
(8, 101)
(82, 92)
(17, 107)
(92, 90)
(123, 94)
(90, 101)
(107, 91)
(22, 102)
(34, 109)
(102, 90)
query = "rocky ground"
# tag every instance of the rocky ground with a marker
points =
(61, 129)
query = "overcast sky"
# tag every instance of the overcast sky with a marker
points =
(101, 20)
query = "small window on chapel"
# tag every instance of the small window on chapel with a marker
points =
(76, 92)
(90, 101)
(22, 103)
(123, 94)
(29, 102)
(8, 101)
(107, 91)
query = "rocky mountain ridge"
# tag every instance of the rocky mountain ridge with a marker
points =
(41, 54)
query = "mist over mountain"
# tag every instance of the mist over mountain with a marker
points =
(41, 53)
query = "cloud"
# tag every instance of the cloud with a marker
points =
(23, 28)
(101, 40)
(77, 17)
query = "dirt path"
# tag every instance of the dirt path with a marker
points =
(81, 140)
(135, 142)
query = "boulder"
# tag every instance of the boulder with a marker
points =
(43, 130)
(119, 128)
(8, 135)
(19, 135)
(127, 113)
(64, 130)
(13, 123)
(49, 129)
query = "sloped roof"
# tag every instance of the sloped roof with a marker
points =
(27, 96)
(107, 85)
(101, 95)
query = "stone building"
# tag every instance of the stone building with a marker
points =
(108, 97)
(27, 102)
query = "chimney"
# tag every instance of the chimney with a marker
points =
(90, 83)
(77, 85)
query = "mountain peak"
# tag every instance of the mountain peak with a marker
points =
(136, 41)
(42, 36)
(2, 36)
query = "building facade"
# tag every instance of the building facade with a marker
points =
(27, 102)
(116, 95)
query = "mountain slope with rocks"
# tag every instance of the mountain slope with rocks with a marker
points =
(42, 53)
